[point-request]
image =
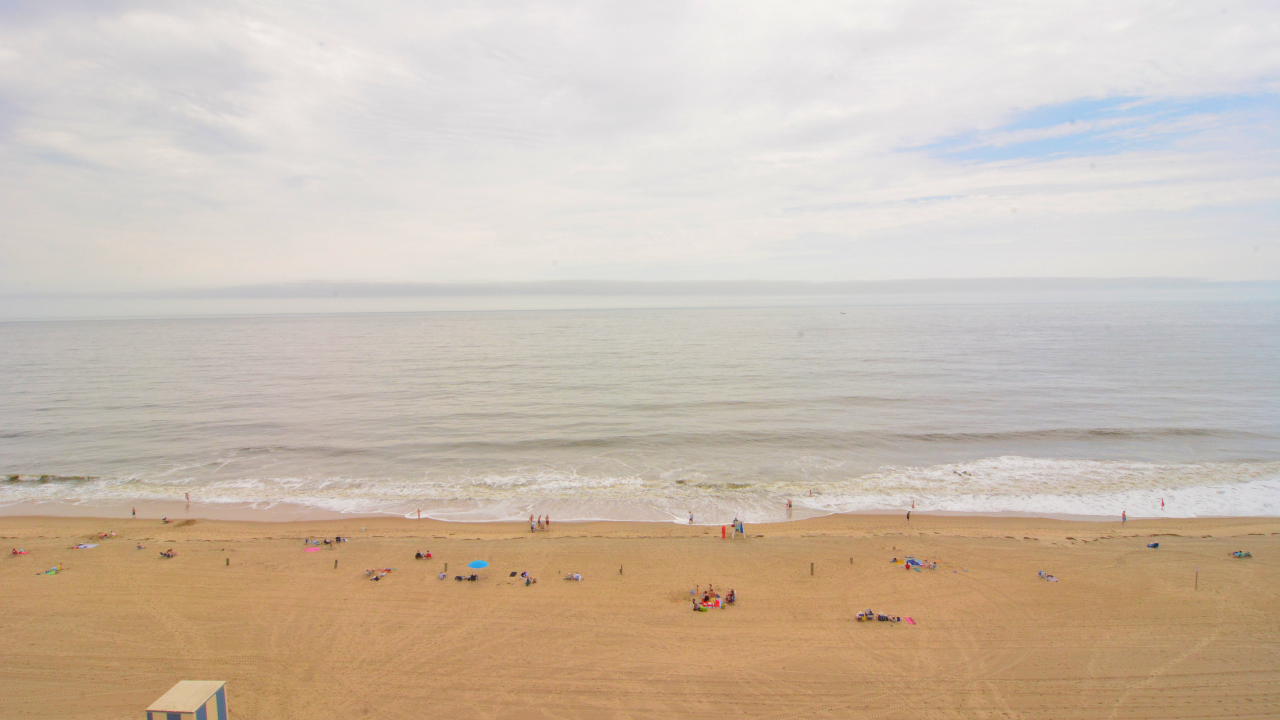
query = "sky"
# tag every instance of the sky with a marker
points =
(154, 145)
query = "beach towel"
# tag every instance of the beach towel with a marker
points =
(85, 546)
(910, 621)
(312, 550)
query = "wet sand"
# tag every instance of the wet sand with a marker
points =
(1124, 634)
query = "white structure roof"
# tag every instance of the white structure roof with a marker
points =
(186, 696)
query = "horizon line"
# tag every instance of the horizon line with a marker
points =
(316, 289)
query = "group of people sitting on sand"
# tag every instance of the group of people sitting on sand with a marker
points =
(909, 562)
(872, 616)
(1242, 554)
(422, 555)
(470, 578)
(17, 551)
(1046, 576)
(378, 573)
(711, 599)
(168, 553)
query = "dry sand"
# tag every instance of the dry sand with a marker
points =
(1122, 635)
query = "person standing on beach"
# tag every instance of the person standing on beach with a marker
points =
(690, 517)
(908, 516)
(135, 512)
(1123, 517)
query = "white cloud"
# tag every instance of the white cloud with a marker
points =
(149, 145)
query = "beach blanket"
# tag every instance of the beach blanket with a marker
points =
(910, 621)
(85, 546)
(312, 550)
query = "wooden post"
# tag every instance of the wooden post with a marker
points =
(810, 568)
(1197, 577)
(228, 562)
(335, 563)
(619, 569)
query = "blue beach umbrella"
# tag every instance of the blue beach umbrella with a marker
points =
(477, 564)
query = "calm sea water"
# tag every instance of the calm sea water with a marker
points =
(648, 414)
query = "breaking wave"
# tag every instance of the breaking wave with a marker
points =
(1014, 484)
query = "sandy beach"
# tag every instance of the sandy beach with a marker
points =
(1124, 633)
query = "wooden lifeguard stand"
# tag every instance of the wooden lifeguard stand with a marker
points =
(192, 700)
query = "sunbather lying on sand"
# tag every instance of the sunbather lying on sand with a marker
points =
(168, 553)
(18, 551)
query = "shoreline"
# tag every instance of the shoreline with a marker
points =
(294, 513)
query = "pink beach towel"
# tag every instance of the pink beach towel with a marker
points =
(313, 549)
(910, 621)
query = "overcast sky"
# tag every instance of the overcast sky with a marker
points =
(157, 145)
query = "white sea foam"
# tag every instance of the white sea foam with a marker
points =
(993, 485)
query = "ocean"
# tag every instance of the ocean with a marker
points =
(1156, 409)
